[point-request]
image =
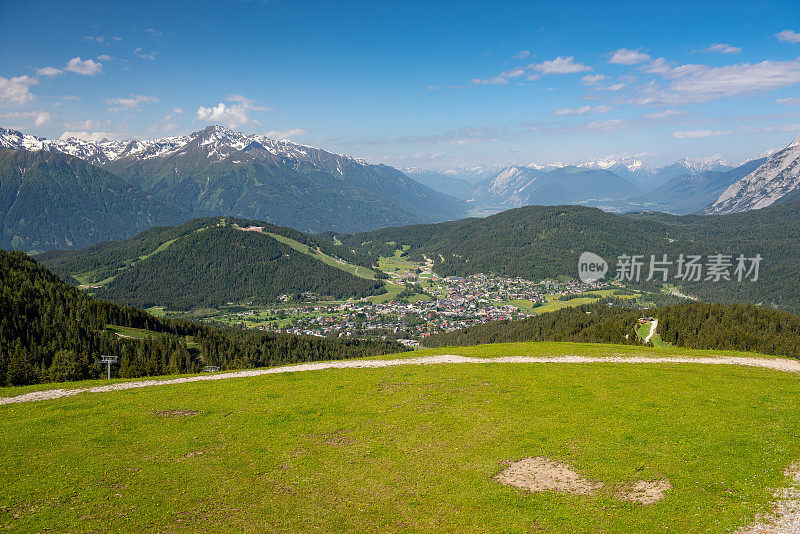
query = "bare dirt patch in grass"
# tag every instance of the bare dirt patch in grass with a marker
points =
(338, 438)
(544, 474)
(644, 492)
(175, 413)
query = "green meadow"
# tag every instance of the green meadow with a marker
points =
(411, 448)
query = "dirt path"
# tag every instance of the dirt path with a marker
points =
(791, 366)
(653, 327)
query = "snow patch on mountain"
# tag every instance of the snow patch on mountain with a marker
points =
(217, 142)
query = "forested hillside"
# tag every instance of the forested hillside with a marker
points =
(692, 325)
(545, 242)
(51, 331)
(208, 262)
(594, 323)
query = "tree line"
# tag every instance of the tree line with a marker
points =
(696, 325)
(51, 331)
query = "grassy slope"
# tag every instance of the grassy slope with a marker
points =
(409, 448)
(357, 270)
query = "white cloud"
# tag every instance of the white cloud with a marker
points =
(16, 90)
(503, 77)
(623, 56)
(561, 65)
(593, 79)
(142, 54)
(129, 102)
(783, 128)
(48, 71)
(99, 39)
(286, 134)
(179, 111)
(606, 125)
(39, 117)
(700, 83)
(153, 32)
(791, 101)
(84, 67)
(700, 134)
(230, 116)
(88, 124)
(88, 136)
(522, 54)
(665, 114)
(104, 57)
(788, 36)
(657, 66)
(723, 48)
(585, 110)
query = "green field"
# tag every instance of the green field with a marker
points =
(406, 448)
(392, 290)
(139, 333)
(396, 263)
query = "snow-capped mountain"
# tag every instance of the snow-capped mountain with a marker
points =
(620, 165)
(518, 185)
(217, 143)
(776, 179)
(218, 171)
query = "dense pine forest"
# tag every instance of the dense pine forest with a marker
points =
(538, 242)
(693, 325)
(51, 331)
(591, 323)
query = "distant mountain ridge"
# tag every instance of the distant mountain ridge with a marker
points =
(690, 193)
(613, 183)
(218, 171)
(519, 186)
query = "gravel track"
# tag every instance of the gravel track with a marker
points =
(791, 366)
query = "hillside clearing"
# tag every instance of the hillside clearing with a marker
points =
(357, 270)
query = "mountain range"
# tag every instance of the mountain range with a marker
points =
(72, 192)
(218, 171)
(622, 184)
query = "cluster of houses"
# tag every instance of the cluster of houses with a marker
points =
(450, 303)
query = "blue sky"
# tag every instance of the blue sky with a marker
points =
(426, 84)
